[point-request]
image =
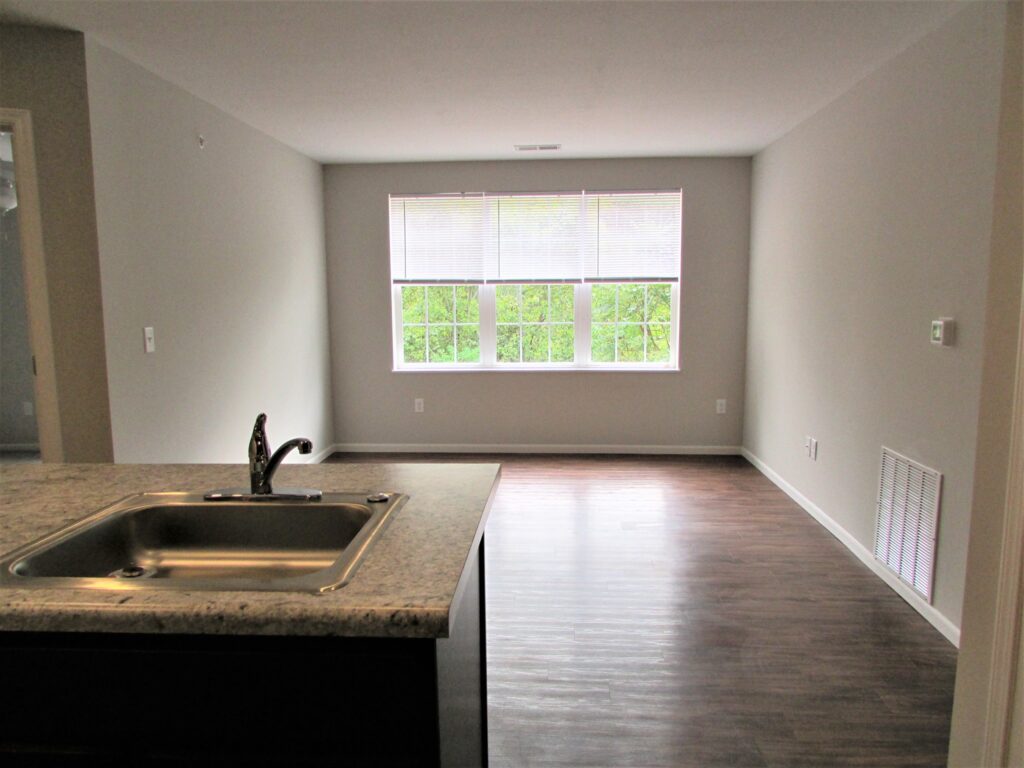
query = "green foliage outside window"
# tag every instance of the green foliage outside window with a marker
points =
(630, 323)
(440, 324)
(535, 323)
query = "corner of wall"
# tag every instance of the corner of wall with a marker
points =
(44, 71)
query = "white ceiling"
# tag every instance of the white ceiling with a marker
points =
(391, 81)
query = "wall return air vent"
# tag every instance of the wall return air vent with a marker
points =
(906, 528)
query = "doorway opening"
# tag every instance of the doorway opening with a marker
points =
(19, 431)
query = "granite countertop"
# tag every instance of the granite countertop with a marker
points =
(405, 587)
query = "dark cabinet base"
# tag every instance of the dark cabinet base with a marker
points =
(288, 701)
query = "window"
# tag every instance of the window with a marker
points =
(631, 323)
(575, 280)
(440, 323)
(535, 323)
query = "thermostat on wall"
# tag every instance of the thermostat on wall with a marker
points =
(944, 331)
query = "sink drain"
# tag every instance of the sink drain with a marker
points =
(132, 572)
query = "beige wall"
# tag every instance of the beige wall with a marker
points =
(374, 406)
(43, 70)
(221, 251)
(1002, 320)
(869, 220)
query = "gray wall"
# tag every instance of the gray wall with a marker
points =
(219, 249)
(43, 70)
(16, 428)
(374, 406)
(869, 220)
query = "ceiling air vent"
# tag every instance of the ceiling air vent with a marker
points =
(908, 520)
(536, 147)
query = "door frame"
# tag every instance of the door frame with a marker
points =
(37, 301)
(1006, 673)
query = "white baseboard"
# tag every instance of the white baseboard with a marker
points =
(671, 450)
(7, 447)
(938, 620)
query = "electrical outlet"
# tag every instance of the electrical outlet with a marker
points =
(417, 405)
(720, 406)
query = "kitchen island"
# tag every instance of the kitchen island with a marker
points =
(387, 670)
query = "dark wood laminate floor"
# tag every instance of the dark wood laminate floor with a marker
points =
(668, 611)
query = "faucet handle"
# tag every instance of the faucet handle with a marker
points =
(259, 446)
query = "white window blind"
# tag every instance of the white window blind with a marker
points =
(553, 237)
(638, 236)
(438, 238)
(539, 237)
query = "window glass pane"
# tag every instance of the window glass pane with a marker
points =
(659, 302)
(631, 303)
(414, 344)
(562, 341)
(625, 316)
(440, 304)
(467, 304)
(535, 343)
(562, 303)
(468, 338)
(535, 303)
(441, 323)
(507, 300)
(602, 342)
(602, 303)
(631, 343)
(508, 343)
(414, 308)
(441, 343)
(658, 343)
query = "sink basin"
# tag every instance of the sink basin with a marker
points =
(179, 541)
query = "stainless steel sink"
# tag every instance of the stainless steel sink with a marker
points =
(179, 541)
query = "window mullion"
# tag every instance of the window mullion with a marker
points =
(644, 327)
(488, 325)
(547, 323)
(618, 320)
(519, 294)
(581, 323)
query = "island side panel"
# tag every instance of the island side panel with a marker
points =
(461, 675)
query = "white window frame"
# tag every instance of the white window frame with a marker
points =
(489, 335)
(488, 328)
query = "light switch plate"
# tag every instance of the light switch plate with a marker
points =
(149, 339)
(943, 332)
